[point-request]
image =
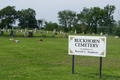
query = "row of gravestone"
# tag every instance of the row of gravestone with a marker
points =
(7, 30)
(31, 34)
(35, 31)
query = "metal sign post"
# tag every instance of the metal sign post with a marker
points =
(72, 64)
(100, 66)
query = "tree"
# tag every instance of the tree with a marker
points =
(40, 23)
(8, 16)
(97, 18)
(90, 17)
(67, 18)
(116, 28)
(51, 26)
(107, 20)
(27, 18)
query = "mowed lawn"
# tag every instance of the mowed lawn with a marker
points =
(30, 59)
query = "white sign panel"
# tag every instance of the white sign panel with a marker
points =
(87, 45)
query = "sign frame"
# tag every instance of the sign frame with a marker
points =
(87, 45)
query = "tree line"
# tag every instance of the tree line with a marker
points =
(89, 20)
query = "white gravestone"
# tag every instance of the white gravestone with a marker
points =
(8, 30)
(54, 30)
(75, 32)
(26, 30)
(60, 31)
(71, 32)
(35, 30)
(3, 30)
(24, 33)
(47, 31)
(101, 33)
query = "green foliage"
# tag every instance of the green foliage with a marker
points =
(51, 26)
(27, 18)
(77, 28)
(96, 17)
(8, 15)
(67, 18)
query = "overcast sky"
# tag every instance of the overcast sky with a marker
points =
(48, 9)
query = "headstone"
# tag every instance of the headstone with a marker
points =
(60, 31)
(116, 37)
(47, 31)
(106, 34)
(75, 32)
(26, 30)
(24, 34)
(35, 30)
(54, 30)
(6, 29)
(21, 30)
(44, 35)
(30, 34)
(64, 35)
(71, 32)
(2, 32)
(53, 35)
(93, 33)
(101, 33)
(83, 32)
(12, 33)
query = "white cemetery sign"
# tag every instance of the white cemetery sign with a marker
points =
(87, 45)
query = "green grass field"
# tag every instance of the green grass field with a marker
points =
(30, 59)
